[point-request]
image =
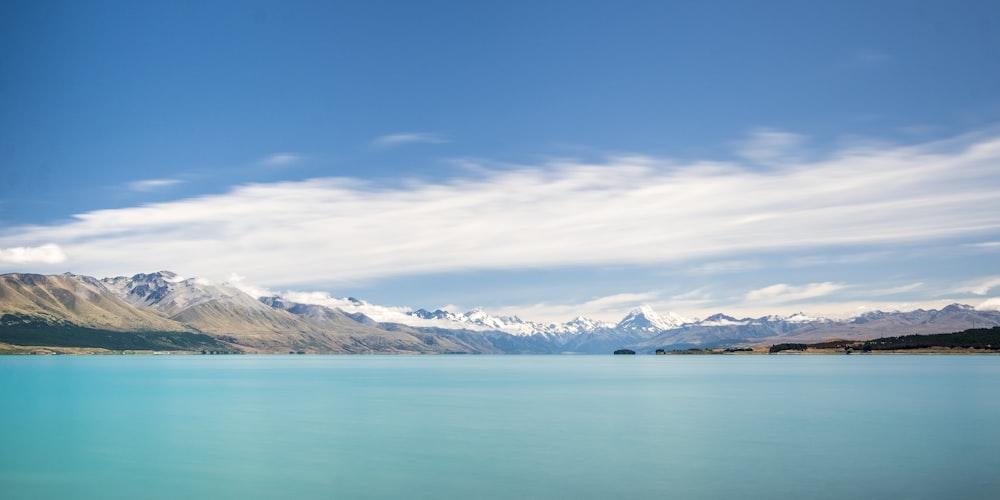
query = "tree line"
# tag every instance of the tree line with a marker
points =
(973, 338)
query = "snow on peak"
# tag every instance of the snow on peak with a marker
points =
(579, 325)
(722, 320)
(645, 319)
(800, 317)
(169, 293)
(479, 319)
(957, 308)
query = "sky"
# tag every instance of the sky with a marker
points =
(547, 159)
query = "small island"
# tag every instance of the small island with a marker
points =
(624, 351)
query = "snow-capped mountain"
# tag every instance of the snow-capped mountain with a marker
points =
(639, 325)
(270, 323)
(170, 293)
(78, 300)
(642, 327)
(721, 329)
(479, 319)
(248, 320)
(476, 319)
(723, 320)
(202, 305)
(582, 324)
(644, 321)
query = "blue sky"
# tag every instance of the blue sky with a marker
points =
(541, 158)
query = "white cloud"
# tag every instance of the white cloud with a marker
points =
(769, 147)
(240, 283)
(621, 212)
(828, 307)
(393, 140)
(620, 300)
(985, 244)
(280, 159)
(847, 258)
(153, 184)
(990, 304)
(980, 287)
(44, 254)
(782, 293)
(897, 289)
(606, 308)
(387, 314)
(726, 267)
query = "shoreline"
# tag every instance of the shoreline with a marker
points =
(19, 350)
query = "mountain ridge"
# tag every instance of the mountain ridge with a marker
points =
(164, 301)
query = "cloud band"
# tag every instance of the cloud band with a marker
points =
(629, 210)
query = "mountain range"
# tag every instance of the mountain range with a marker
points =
(164, 311)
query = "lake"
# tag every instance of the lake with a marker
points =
(581, 427)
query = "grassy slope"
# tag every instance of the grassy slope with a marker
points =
(18, 329)
(66, 299)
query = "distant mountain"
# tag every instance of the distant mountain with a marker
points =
(721, 330)
(162, 310)
(478, 319)
(645, 330)
(644, 322)
(952, 318)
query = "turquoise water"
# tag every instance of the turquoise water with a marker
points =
(699, 427)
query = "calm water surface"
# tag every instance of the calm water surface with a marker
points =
(699, 427)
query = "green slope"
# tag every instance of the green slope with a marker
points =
(21, 329)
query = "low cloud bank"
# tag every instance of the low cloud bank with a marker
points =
(45, 254)
(634, 210)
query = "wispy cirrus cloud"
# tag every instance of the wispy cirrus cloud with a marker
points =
(148, 185)
(280, 159)
(985, 244)
(395, 140)
(606, 308)
(896, 289)
(725, 267)
(846, 258)
(623, 211)
(979, 287)
(620, 301)
(782, 293)
(770, 146)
